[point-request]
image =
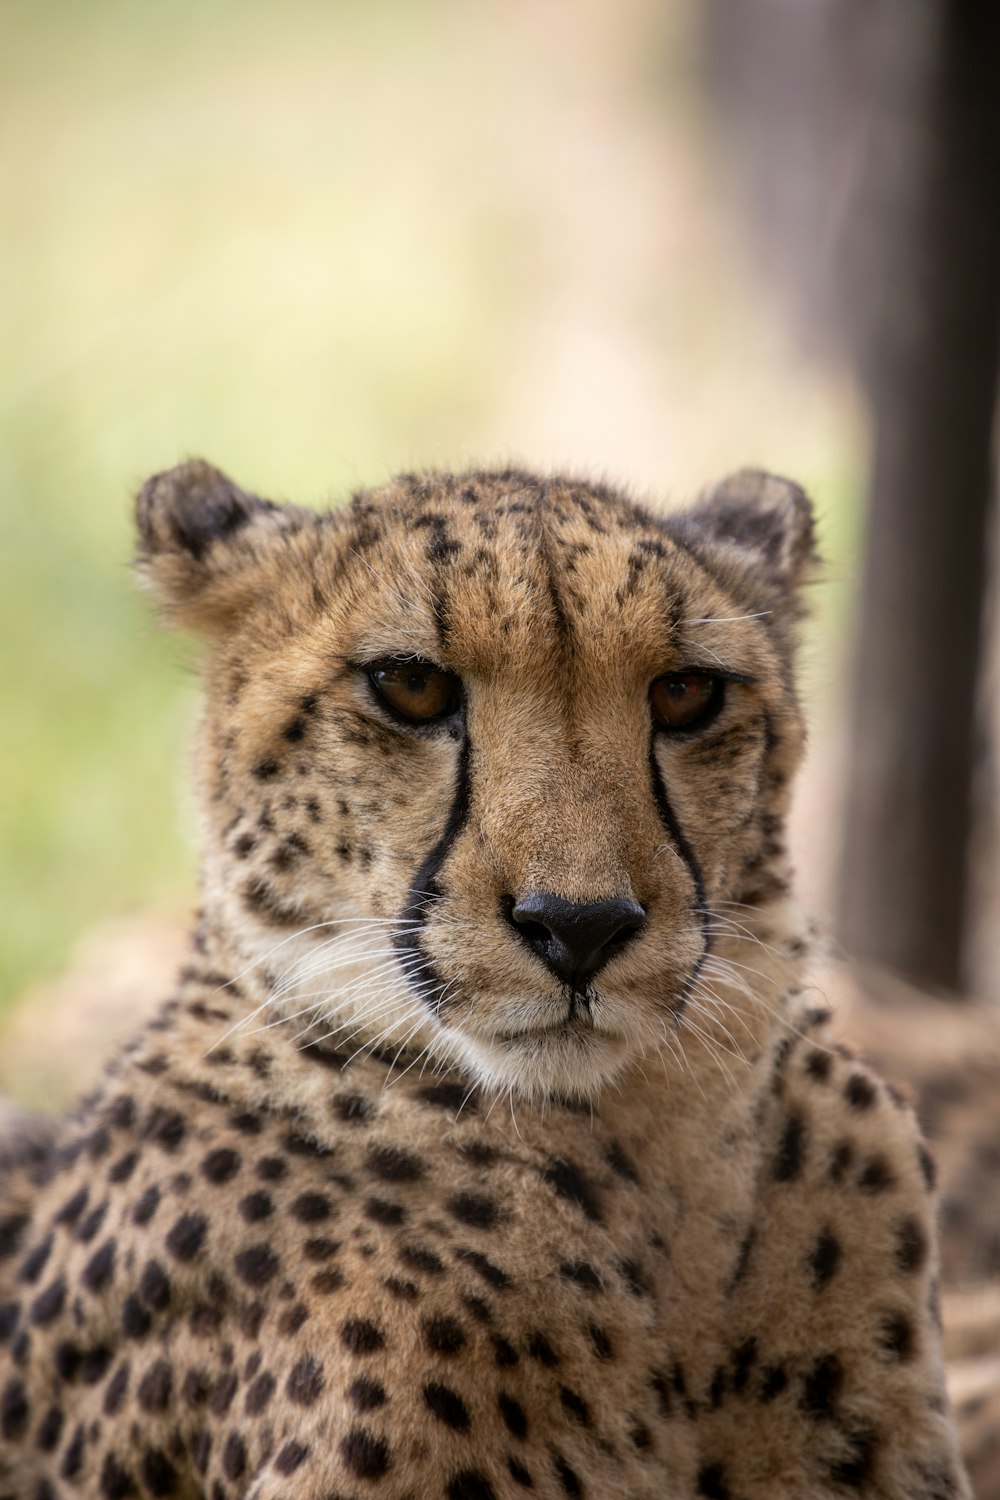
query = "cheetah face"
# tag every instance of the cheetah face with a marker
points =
(484, 755)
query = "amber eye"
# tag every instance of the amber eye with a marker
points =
(683, 700)
(416, 691)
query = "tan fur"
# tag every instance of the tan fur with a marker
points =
(376, 1206)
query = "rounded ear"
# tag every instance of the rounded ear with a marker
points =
(760, 520)
(203, 540)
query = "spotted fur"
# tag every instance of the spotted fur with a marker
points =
(381, 1206)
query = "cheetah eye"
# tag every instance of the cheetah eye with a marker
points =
(416, 691)
(685, 700)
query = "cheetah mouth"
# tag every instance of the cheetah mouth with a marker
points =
(576, 1028)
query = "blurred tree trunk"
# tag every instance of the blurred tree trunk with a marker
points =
(867, 133)
(930, 354)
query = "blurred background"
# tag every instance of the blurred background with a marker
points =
(319, 242)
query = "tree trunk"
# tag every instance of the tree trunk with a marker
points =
(932, 362)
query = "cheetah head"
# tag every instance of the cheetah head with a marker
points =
(486, 758)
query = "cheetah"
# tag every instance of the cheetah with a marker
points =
(490, 1144)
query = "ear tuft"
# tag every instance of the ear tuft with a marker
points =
(767, 521)
(202, 541)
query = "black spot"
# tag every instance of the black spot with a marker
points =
(821, 1387)
(856, 1469)
(566, 1179)
(158, 1473)
(912, 1246)
(306, 1381)
(566, 1476)
(221, 1165)
(361, 1336)
(744, 1359)
(575, 1405)
(876, 1175)
(14, 1409)
(304, 1145)
(311, 1208)
(504, 1353)
(519, 1473)
(100, 1267)
(443, 1335)
(165, 1128)
(382, 1211)
(136, 1320)
(49, 1304)
(294, 731)
(259, 1394)
(271, 1169)
(256, 1206)
(49, 1430)
(88, 1227)
(94, 1364)
(474, 1209)
(818, 1066)
(352, 1108)
(34, 1262)
(447, 1096)
(742, 1260)
(266, 770)
(327, 1282)
(10, 1312)
(582, 1273)
(859, 1091)
(114, 1395)
(116, 1483)
(365, 1394)
(791, 1148)
(392, 1164)
(712, 1482)
(293, 1319)
(825, 1258)
(234, 1456)
(448, 1406)
(123, 1168)
(321, 1248)
(419, 1258)
(773, 1381)
(470, 1484)
(156, 1387)
(12, 1228)
(73, 1455)
(539, 1348)
(291, 1457)
(256, 1265)
(364, 1454)
(600, 1342)
(897, 1337)
(146, 1206)
(187, 1236)
(493, 1274)
(619, 1162)
(635, 1278)
(73, 1207)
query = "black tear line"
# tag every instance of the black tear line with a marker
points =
(424, 890)
(669, 820)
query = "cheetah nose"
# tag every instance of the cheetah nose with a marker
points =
(575, 941)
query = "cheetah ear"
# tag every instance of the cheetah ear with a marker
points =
(203, 543)
(762, 523)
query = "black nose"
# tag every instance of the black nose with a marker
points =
(575, 941)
